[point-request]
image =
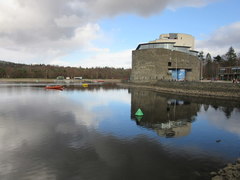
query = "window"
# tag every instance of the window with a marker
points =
(169, 63)
(223, 70)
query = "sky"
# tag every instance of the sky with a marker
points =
(100, 33)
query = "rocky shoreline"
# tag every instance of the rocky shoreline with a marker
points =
(230, 172)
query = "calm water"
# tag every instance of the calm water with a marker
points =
(82, 134)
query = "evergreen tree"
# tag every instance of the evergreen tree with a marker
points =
(238, 59)
(231, 57)
(217, 59)
(208, 72)
(208, 58)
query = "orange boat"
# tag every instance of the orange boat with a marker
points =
(57, 87)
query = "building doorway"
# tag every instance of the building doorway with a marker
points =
(179, 74)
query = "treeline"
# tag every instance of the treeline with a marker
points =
(210, 66)
(14, 70)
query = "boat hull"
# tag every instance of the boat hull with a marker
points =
(54, 87)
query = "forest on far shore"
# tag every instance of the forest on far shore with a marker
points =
(15, 70)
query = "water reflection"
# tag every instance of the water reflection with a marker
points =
(172, 116)
(168, 117)
(88, 134)
(46, 135)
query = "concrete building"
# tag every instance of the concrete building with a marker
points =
(179, 40)
(171, 57)
(229, 73)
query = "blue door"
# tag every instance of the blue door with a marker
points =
(174, 74)
(179, 74)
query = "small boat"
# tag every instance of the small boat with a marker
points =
(57, 87)
(84, 85)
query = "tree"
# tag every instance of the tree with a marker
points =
(231, 57)
(217, 59)
(208, 58)
(2, 72)
(202, 62)
(238, 59)
(12, 70)
(209, 68)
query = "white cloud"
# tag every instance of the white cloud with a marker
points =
(220, 40)
(38, 31)
(98, 58)
(220, 120)
(139, 7)
(109, 59)
(48, 51)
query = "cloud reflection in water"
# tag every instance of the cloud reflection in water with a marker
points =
(60, 135)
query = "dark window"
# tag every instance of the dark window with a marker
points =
(169, 64)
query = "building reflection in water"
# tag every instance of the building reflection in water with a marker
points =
(168, 117)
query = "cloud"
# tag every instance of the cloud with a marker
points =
(44, 50)
(109, 59)
(34, 125)
(140, 7)
(189, 3)
(219, 119)
(43, 31)
(220, 40)
(98, 58)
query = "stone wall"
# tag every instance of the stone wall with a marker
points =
(218, 90)
(151, 65)
(201, 86)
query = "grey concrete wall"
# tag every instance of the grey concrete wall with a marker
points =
(202, 86)
(218, 90)
(151, 65)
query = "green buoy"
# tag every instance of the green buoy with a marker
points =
(139, 112)
(139, 118)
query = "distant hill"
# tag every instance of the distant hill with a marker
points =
(15, 70)
(5, 62)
